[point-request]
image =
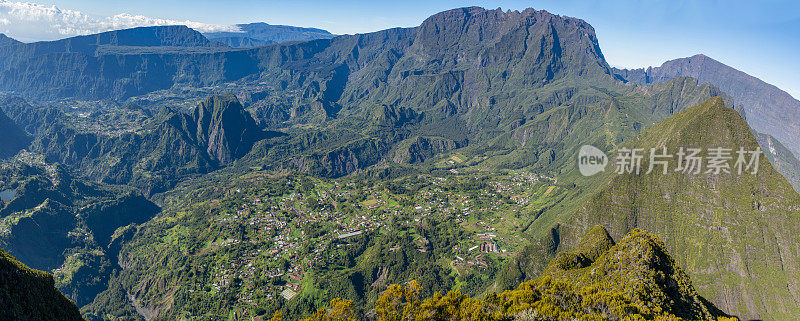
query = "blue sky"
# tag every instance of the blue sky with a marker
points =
(761, 38)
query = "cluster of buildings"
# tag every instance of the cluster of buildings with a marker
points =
(278, 227)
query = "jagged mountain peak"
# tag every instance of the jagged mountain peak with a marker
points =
(639, 266)
(225, 128)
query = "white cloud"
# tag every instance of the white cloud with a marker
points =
(34, 22)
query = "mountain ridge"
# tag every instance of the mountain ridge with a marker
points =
(768, 108)
(6, 40)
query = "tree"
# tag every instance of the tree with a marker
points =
(399, 302)
(277, 316)
(338, 310)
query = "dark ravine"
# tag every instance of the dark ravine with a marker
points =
(13, 138)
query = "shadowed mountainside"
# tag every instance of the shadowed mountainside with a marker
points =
(27, 294)
(13, 138)
(6, 40)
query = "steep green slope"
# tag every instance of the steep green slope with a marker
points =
(548, 140)
(735, 235)
(638, 268)
(27, 294)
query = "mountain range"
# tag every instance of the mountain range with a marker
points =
(470, 89)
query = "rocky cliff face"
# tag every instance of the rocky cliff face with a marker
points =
(419, 149)
(174, 146)
(784, 161)
(241, 41)
(225, 128)
(769, 110)
(99, 65)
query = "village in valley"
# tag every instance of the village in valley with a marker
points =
(264, 243)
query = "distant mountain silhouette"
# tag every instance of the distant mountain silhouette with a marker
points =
(768, 109)
(261, 33)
